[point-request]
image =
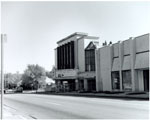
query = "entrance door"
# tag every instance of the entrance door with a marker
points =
(115, 80)
(71, 84)
(146, 80)
(81, 84)
(91, 85)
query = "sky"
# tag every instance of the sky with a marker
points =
(33, 28)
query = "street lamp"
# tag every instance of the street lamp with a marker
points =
(3, 39)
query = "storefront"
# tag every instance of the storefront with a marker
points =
(115, 80)
(124, 66)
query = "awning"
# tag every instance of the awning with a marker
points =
(115, 66)
(142, 60)
(126, 63)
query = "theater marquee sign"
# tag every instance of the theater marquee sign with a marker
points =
(66, 73)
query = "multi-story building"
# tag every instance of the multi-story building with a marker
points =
(124, 66)
(81, 65)
(75, 64)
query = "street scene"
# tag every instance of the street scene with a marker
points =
(75, 60)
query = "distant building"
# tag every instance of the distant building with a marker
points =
(81, 65)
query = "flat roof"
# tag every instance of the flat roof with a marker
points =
(76, 33)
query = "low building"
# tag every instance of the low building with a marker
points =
(80, 65)
(123, 66)
(75, 63)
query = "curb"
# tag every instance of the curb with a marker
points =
(100, 96)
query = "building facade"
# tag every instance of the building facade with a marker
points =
(123, 66)
(81, 65)
(75, 64)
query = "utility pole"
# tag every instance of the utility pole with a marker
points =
(3, 37)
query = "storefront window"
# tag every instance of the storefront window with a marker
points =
(115, 80)
(126, 77)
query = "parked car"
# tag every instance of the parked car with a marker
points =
(19, 89)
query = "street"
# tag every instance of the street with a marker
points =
(67, 107)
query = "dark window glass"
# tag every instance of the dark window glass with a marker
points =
(115, 80)
(126, 77)
(90, 60)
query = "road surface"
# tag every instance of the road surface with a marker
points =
(67, 107)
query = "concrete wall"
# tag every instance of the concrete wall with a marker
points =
(126, 47)
(115, 55)
(142, 43)
(116, 50)
(142, 52)
(81, 55)
(105, 68)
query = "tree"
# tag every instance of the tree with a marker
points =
(51, 74)
(110, 42)
(11, 80)
(32, 76)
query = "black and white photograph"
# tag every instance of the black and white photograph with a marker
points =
(74, 60)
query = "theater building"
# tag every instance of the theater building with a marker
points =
(123, 66)
(75, 63)
(81, 65)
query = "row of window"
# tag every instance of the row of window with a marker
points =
(65, 56)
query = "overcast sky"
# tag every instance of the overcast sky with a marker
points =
(33, 28)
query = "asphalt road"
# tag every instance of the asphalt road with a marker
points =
(66, 107)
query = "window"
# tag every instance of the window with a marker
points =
(90, 60)
(115, 80)
(126, 77)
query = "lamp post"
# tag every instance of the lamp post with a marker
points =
(3, 38)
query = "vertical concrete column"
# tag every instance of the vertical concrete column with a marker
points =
(132, 56)
(99, 86)
(120, 63)
(76, 84)
(73, 54)
(56, 58)
(97, 65)
(64, 56)
(69, 54)
(85, 84)
(110, 64)
(76, 53)
(60, 56)
(58, 86)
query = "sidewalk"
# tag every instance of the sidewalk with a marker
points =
(123, 95)
(12, 114)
